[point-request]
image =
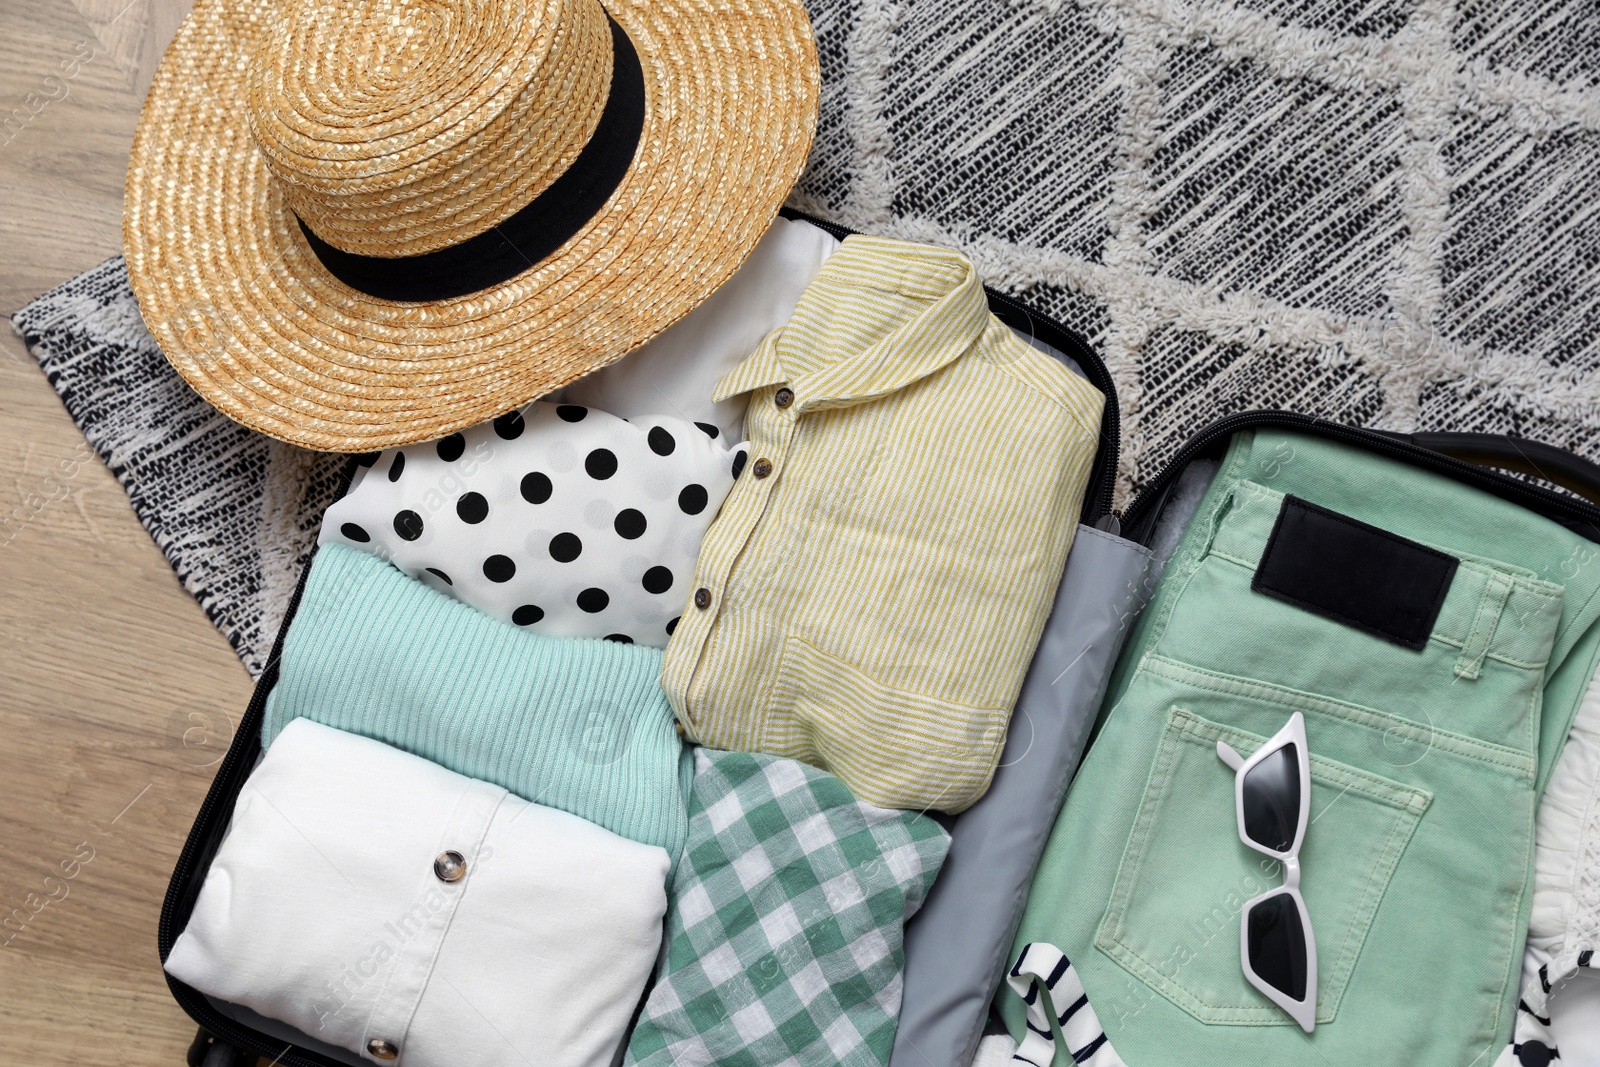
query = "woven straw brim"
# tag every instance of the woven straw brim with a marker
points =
(251, 319)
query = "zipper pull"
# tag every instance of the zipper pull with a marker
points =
(1110, 522)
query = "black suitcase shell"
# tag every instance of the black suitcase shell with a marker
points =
(1464, 457)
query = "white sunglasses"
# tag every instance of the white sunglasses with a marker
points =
(1272, 796)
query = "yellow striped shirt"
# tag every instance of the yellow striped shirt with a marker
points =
(872, 591)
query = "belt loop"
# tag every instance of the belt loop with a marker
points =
(1495, 593)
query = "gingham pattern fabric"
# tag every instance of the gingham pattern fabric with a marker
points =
(871, 594)
(784, 935)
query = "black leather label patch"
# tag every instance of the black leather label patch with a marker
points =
(1345, 570)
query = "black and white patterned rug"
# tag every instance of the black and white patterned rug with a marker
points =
(1384, 212)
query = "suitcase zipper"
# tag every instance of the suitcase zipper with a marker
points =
(1578, 515)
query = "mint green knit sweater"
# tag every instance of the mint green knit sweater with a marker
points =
(572, 723)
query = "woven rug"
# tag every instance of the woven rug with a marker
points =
(1385, 212)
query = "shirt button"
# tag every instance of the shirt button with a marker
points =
(383, 1050)
(702, 598)
(762, 468)
(783, 397)
(450, 867)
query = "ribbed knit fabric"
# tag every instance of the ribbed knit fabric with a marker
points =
(572, 723)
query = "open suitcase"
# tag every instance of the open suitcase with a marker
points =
(960, 943)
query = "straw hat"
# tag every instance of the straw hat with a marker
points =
(353, 225)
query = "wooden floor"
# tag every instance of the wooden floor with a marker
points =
(104, 661)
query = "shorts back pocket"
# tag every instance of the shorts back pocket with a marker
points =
(1173, 918)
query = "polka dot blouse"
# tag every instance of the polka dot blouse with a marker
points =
(560, 517)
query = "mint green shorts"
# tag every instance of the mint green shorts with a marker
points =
(1426, 765)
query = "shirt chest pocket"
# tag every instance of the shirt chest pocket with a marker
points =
(897, 749)
(1173, 919)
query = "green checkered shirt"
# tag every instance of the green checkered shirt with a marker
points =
(785, 930)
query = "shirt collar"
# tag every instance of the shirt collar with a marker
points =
(879, 316)
(760, 368)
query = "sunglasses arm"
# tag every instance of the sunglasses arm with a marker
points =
(1227, 754)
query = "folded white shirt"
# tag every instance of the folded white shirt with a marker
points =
(677, 370)
(330, 905)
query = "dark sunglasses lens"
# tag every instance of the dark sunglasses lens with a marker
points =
(1277, 943)
(1272, 799)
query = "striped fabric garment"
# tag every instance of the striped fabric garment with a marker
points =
(1533, 1040)
(871, 594)
(1050, 985)
(1533, 1043)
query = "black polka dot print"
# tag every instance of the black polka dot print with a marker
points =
(407, 525)
(559, 518)
(630, 523)
(565, 547)
(673, 625)
(472, 507)
(662, 443)
(536, 487)
(510, 425)
(692, 500)
(738, 461)
(621, 639)
(450, 448)
(1534, 1054)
